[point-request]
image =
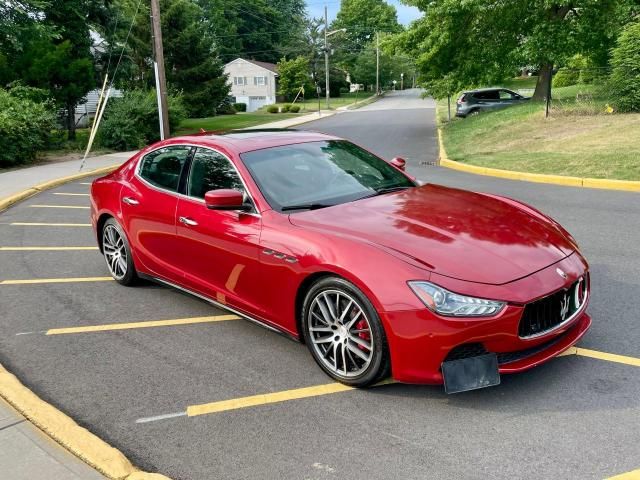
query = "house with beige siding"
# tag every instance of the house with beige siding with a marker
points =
(252, 82)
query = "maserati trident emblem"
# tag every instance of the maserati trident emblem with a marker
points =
(561, 273)
(564, 307)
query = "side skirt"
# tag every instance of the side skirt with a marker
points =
(260, 323)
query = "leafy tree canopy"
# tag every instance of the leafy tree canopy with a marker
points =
(462, 44)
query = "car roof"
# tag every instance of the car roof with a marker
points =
(242, 141)
(488, 89)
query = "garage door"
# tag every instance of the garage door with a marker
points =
(255, 103)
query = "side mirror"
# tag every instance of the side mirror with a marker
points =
(399, 163)
(225, 199)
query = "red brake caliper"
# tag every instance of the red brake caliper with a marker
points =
(362, 325)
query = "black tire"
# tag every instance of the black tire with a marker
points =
(343, 291)
(110, 231)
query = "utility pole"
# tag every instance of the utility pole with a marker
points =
(158, 67)
(326, 54)
(377, 63)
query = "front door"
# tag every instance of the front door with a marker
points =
(149, 204)
(219, 250)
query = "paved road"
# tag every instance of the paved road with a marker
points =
(573, 418)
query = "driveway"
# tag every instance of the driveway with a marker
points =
(159, 392)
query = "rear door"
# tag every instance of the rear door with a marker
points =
(149, 204)
(219, 249)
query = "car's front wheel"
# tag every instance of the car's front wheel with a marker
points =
(117, 253)
(344, 333)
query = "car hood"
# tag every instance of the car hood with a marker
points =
(460, 234)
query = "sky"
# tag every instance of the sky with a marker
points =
(316, 9)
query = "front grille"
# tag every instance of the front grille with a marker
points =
(547, 313)
(467, 350)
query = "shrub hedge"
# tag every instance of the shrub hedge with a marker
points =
(273, 109)
(131, 122)
(624, 81)
(240, 107)
(294, 108)
(25, 126)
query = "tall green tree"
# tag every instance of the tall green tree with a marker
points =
(293, 74)
(191, 61)
(460, 44)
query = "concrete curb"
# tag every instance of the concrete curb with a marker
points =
(29, 192)
(61, 428)
(624, 185)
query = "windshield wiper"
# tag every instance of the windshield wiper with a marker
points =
(305, 206)
(383, 190)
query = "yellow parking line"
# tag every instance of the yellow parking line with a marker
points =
(72, 194)
(152, 323)
(37, 224)
(275, 397)
(609, 357)
(635, 475)
(32, 281)
(58, 206)
(44, 249)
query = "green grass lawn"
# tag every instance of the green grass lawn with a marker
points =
(311, 104)
(230, 122)
(578, 139)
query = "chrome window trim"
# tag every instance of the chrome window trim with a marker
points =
(577, 313)
(138, 175)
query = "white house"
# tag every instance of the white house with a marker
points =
(252, 82)
(87, 110)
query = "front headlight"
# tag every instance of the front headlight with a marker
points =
(444, 302)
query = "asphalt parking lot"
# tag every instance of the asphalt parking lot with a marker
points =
(169, 394)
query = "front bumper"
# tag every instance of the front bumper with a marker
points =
(419, 341)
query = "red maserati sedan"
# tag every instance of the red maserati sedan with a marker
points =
(314, 237)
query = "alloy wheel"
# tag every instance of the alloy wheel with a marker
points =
(115, 252)
(340, 333)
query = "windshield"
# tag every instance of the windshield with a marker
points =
(319, 174)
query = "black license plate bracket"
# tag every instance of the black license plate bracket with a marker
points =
(470, 373)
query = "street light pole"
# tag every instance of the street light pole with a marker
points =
(158, 67)
(326, 54)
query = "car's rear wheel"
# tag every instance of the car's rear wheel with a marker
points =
(344, 333)
(117, 253)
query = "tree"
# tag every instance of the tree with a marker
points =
(363, 18)
(191, 61)
(292, 74)
(47, 44)
(461, 44)
(625, 74)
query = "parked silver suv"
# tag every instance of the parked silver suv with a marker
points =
(486, 99)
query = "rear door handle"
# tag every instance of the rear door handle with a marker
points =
(130, 201)
(188, 221)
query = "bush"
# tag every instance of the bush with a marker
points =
(624, 81)
(285, 108)
(565, 78)
(226, 107)
(294, 108)
(131, 122)
(25, 127)
(273, 109)
(240, 107)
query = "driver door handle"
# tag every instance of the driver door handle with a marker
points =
(130, 201)
(188, 221)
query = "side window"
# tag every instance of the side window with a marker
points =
(211, 171)
(506, 95)
(163, 167)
